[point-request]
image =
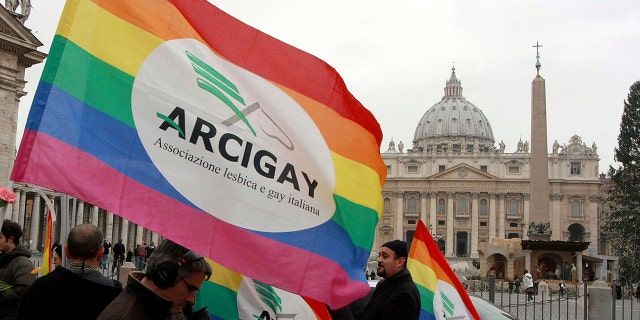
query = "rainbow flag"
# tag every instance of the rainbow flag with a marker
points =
(230, 295)
(47, 255)
(441, 292)
(184, 120)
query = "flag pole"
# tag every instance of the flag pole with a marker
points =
(64, 224)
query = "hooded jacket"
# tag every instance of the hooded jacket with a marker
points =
(15, 271)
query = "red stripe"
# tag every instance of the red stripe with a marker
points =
(275, 60)
(302, 272)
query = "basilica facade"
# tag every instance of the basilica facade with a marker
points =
(474, 193)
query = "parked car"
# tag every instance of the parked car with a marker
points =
(488, 311)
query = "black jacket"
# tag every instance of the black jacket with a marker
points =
(396, 298)
(68, 295)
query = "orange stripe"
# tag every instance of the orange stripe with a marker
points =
(151, 15)
(341, 134)
(422, 255)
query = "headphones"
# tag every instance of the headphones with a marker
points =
(166, 272)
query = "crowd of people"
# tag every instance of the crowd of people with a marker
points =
(165, 289)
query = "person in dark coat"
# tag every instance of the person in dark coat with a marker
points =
(15, 269)
(79, 291)
(397, 296)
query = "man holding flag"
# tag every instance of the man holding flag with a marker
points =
(395, 297)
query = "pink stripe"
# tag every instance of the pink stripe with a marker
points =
(240, 250)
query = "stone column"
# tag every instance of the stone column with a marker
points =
(139, 234)
(22, 208)
(527, 260)
(433, 212)
(94, 215)
(35, 223)
(592, 215)
(556, 203)
(108, 227)
(399, 216)
(525, 216)
(449, 244)
(423, 206)
(15, 208)
(501, 214)
(579, 265)
(155, 238)
(124, 233)
(474, 225)
(80, 213)
(492, 216)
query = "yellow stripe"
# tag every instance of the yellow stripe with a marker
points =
(423, 275)
(357, 182)
(225, 277)
(110, 39)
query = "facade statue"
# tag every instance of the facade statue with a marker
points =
(520, 146)
(400, 146)
(525, 148)
(11, 5)
(556, 146)
(25, 8)
(501, 146)
(594, 148)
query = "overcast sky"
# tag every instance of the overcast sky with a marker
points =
(395, 58)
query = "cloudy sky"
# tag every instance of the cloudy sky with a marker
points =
(395, 58)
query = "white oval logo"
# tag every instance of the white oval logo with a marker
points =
(229, 141)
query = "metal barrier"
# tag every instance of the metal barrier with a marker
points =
(552, 303)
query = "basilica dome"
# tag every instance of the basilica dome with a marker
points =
(453, 124)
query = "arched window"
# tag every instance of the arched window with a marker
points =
(412, 205)
(513, 206)
(576, 208)
(483, 207)
(441, 207)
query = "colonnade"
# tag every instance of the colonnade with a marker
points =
(30, 211)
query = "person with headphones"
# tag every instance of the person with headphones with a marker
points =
(166, 288)
(79, 291)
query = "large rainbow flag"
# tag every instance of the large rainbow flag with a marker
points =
(230, 295)
(442, 294)
(182, 119)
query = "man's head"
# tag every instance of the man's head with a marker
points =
(176, 273)
(392, 258)
(84, 244)
(9, 235)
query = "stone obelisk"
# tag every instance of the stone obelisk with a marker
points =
(539, 210)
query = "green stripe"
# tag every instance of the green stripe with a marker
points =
(219, 300)
(426, 298)
(359, 221)
(89, 79)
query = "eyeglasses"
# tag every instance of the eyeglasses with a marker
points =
(192, 289)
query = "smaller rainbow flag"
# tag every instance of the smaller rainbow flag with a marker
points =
(230, 295)
(441, 292)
